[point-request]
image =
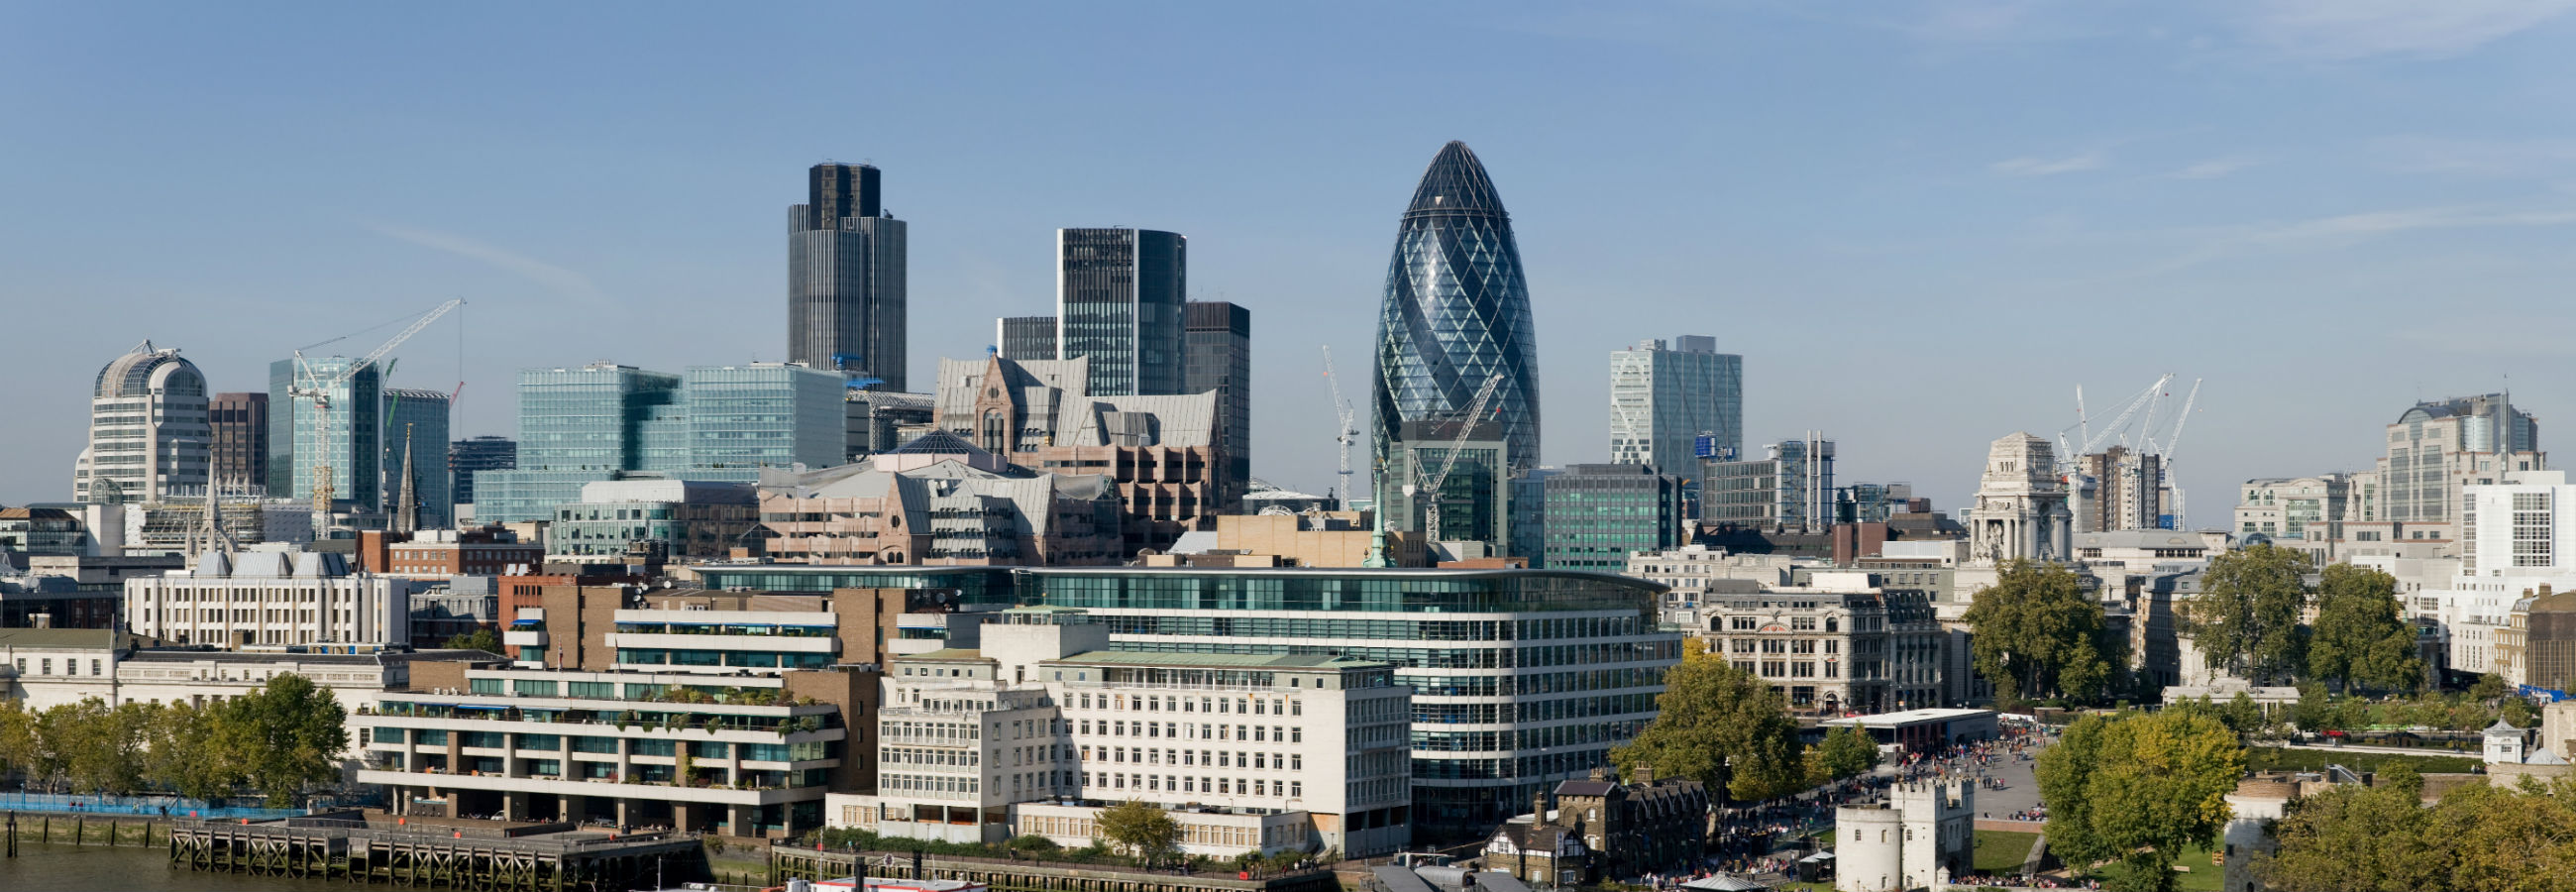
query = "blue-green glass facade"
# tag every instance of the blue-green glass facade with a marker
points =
(422, 417)
(720, 423)
(1456, 312)
(351, 439)
(1598, 514)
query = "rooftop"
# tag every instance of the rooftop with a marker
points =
(1910, 717)
(1215, 661)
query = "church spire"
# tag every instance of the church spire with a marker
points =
(407, 508)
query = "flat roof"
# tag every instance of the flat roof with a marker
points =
(1910, 717)
(1216, 661)
(98, 638)
(945, 653)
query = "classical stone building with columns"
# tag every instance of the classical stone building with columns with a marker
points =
(2021, 508)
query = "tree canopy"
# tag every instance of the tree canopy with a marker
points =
(1145, 832)
(2360, 633)
(1845, 752)
(2382, 837)
(2137, 789)
(2247, 617)
(280, 739)
(1723, 727)
(479, 639)
(2036, 635)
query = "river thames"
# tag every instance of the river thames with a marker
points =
(100, 869)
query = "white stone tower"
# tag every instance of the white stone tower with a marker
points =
(2021, 505)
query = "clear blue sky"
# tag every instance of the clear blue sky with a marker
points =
(1922, 224)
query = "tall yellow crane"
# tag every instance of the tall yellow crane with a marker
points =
(315, 384)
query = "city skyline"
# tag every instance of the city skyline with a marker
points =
(2001, 259)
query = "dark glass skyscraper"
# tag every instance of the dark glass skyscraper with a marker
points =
(1118, 301)
(845, 277)
(1456, 313)
(1219, 358)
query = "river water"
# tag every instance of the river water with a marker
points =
(41, 868)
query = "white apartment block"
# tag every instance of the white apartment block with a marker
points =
(2515, 537)
(266, 597)
(1043, 727)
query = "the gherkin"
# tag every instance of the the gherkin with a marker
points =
(1456, 312)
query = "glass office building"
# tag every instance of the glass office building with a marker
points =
(846, 277)
(484, 453)
(351, 440)
(1521, 678)
(1597, 515)
(1218, 357)
(1118, 301)
(422, 416)
(1025, 337)
(1456, 312)
(1662, 400)
(721, 423)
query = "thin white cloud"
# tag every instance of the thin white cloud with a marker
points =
(2358, 29)
(2212, 168)
(554, 278)
(2478, 157)
(2031, 166)
(2223, 243)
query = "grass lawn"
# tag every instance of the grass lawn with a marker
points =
(2263, 758)
(2002, 851)
(2204, 876)
(1825, 840)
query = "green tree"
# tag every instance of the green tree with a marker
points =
(2490, 687)
(1723, 727)
(479, 639)
(2139, 789)
(1845, 752)
(2242, 715)
(2037, 635)
(21, 747)
(2247, 617)
(1143, 831)
(183, 755)
(2480, 836)
(288, 734)
(2360, 635)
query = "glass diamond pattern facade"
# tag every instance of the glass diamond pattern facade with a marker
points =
(1456, 312)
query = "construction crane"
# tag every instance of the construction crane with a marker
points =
(313, 384)
(2173, 443)
(1348, 432)
(1439, 479)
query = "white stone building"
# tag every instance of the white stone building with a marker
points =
(1043, 727)
(148, 431)
(2514, 538)
(1923, 836)
(2020, 510)
(271, 597)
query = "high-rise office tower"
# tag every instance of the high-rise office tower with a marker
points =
(416, 425)
(1219, 358)
(147, 430)
(1023, 338)
(1118, 302)
(349, 441)
(718, 423)
(1456, 313)
(1662, 400)
(484, 453)
(240, 425)
(845, 277)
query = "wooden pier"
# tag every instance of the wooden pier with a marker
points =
(791, 862)
(444, 857)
